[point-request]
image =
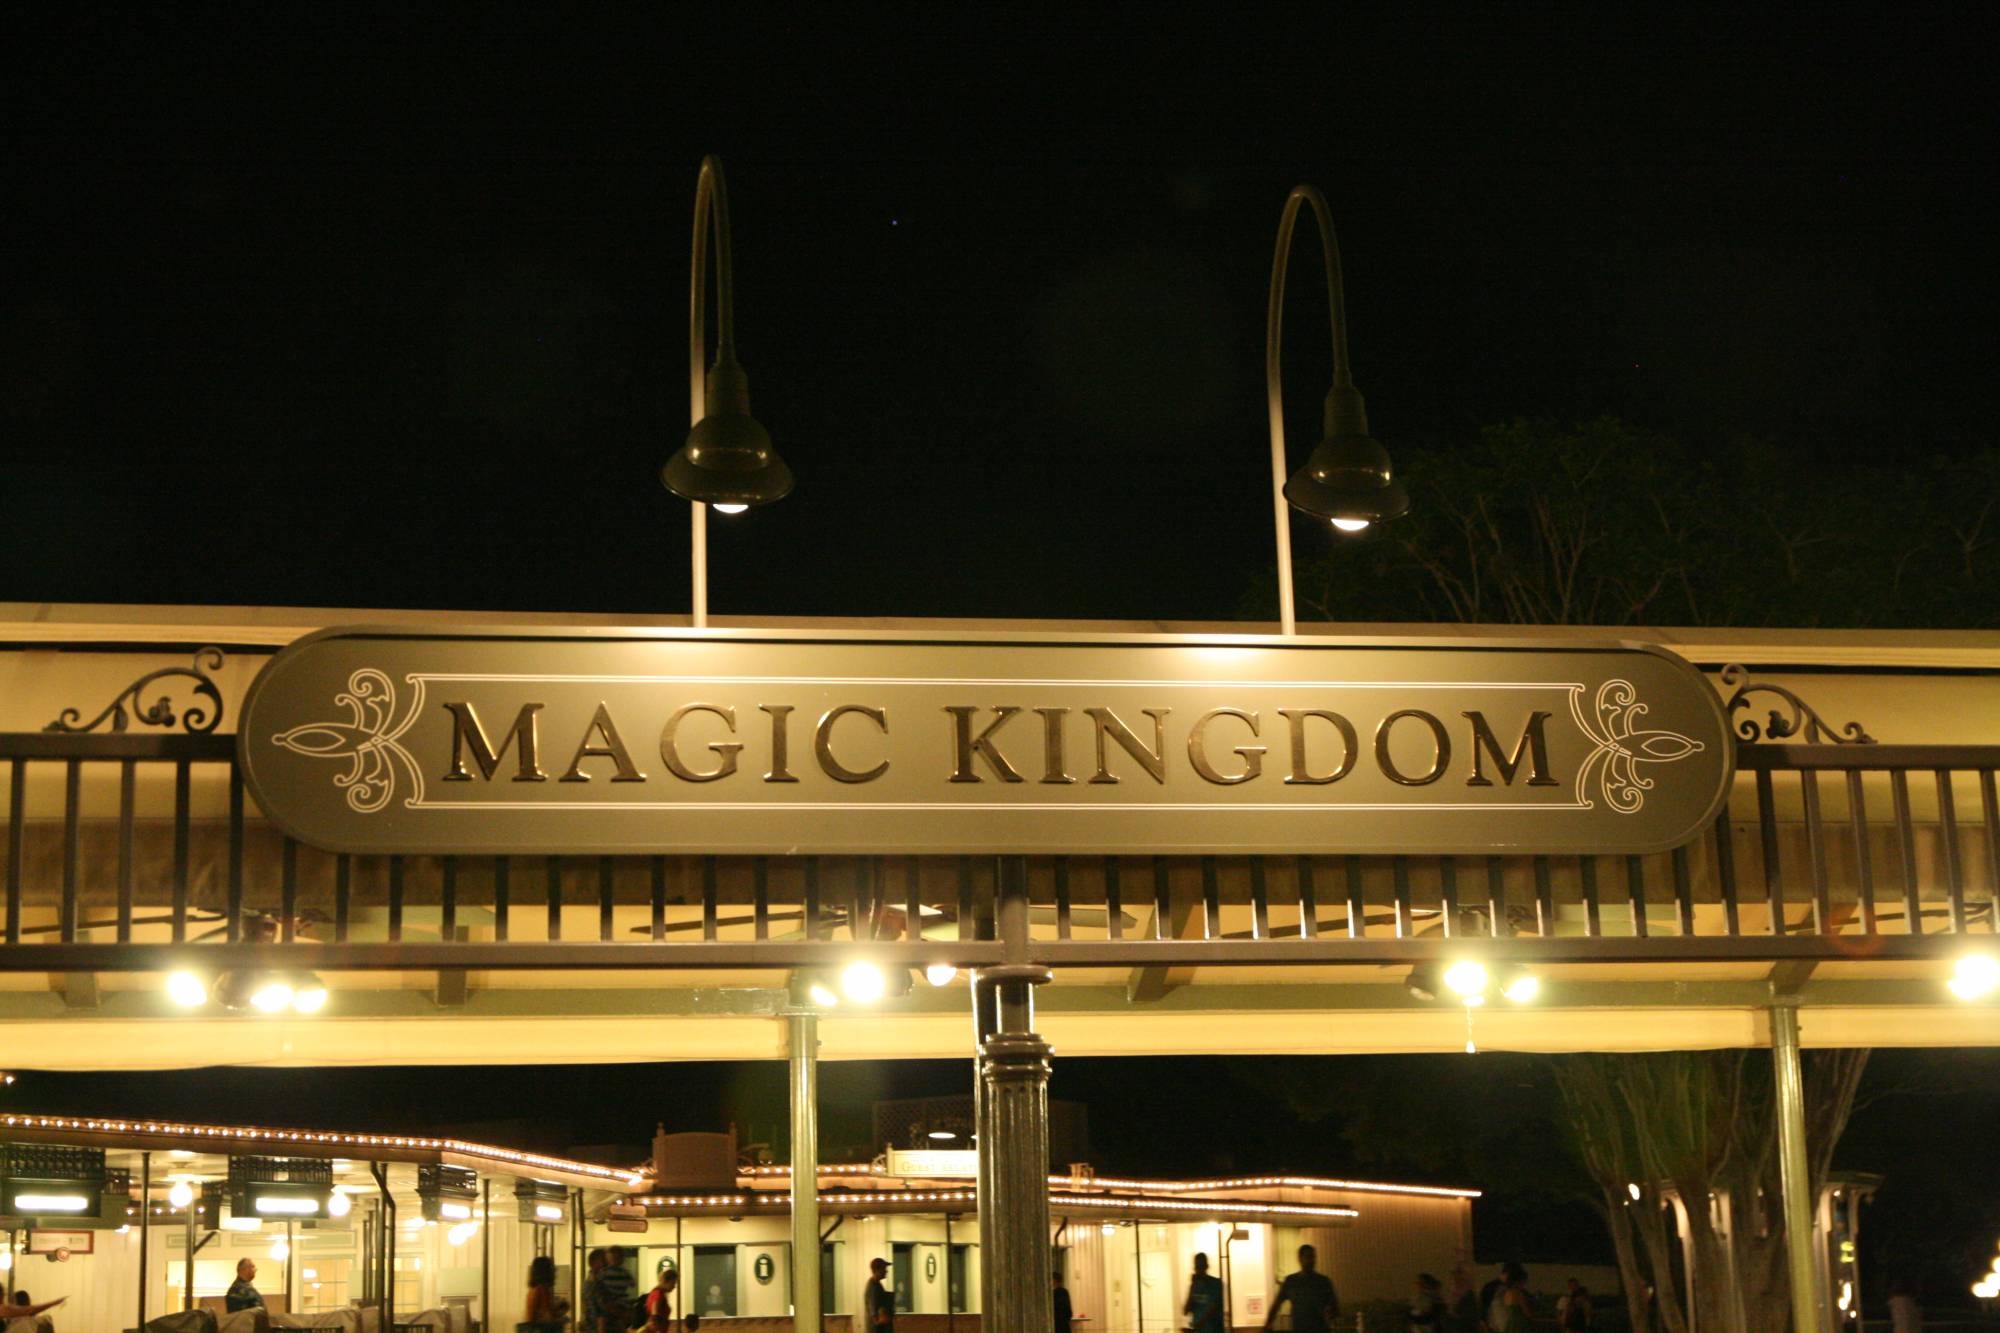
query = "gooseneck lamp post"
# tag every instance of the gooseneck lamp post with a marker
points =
(727, 463)
(1348, 479)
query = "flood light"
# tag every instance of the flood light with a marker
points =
(280, 1251)
(309, 998)
(181, 1195)
(729, 509)
(339, 1206)
(822, 995)
(187, 990)
(863, 982)
(1351, 524)
(1466, 978)
(271, 997)
(1522, 987)
(1976, 976)
(50, 1203)
(940, 974)
(548, 1212)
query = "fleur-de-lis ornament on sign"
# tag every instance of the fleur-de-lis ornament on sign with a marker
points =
(367, 740)
(1622, 746)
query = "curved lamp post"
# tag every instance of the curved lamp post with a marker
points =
(727, 462)
(1348, 478)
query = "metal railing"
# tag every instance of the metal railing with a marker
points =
(125, 851)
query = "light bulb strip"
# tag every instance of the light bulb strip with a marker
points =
(846, 1199)
(151, 1132)
(784, 1173)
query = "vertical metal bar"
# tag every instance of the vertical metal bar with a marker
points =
(965, 917)
(708, 895)
(1725, 871)
(182, 800)
(803, 1025)
(1401, 867)
(1635, 886)
(913, 904)
(860, 909)
(1794, 1178)
(503, 869)
(1061, 871)
(1496, 898)
(1767, 829)
(1162, 898)
(72, 818)
(1260, 903)
(448, 900)
(813, 899)
(760, 896)
(145, 1227)
(1816, 851)
(128, 776)
(1989, 803)
(1593, 909)
(1211, 900)
(1683, 891)
(658, 920)
(1357, 908)
(607, 927)
(395, 898)
(288, 892)
(1954, 878)
(486, 1253)
(16, 838)
(235, 925)
(1545, 899)
(341, 869)
(1448, 894)
(1308, 900)
(1906, 836)
(1864, 864)
(1114, 902)
(555, 896)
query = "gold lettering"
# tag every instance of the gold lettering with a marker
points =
(823, 744)
(1442, 756)
(1252, 755)
(468, 734)
(1108, 724)
(965, 744)
(1533, 742)
(781, 716)
(1053, 767)
(612, 749)
(725, 751)
(1349, 742)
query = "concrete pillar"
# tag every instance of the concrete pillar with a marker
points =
(1794, 1179)
(802, 1034)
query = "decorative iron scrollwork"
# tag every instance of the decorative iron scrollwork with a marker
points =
(1797, 720)
(196, 716)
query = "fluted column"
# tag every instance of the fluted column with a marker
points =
(1013, 1152)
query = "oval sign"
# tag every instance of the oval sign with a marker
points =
(764, 1268)
(531, 741)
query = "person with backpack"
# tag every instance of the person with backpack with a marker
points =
(655, 1314)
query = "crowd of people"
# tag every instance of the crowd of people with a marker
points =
(612, 1302)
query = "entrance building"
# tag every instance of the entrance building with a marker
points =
(1849, 863)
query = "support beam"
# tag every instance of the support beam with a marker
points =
(1795, 1179)
(1013, 1151)
(1155, 980)
(802, 1035)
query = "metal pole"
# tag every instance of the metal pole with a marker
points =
(291, 1256)
(1013, 1127)
(486, 1253)
(802, 1029)
(950, 1306)
(1794, 1178)
(386, 1295)
(187, 1269)
(145, 1216)
(1139, 1274)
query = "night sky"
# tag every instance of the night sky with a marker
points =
(319, 307)
(330, 307)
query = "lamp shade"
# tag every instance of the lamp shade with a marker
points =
(1348, 479)
(728, 458)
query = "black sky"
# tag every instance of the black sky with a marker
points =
(325, 306)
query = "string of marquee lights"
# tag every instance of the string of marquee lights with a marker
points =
(1235, 1208)
(357, 1145)
(784, 1173)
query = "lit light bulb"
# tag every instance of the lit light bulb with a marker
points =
(729, 509)
(1633, 1190)
(271, 997)
(461, 1233)
(181, 1195)
(1351, 524)
(339, 1206)
(186, 989)
(280, 1251)
(309, 999)
(822, 995)
(1466, 977)
(1109, 1228)
(863, 982)
(1522, 988)
(1976, 976)
(940, 974)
